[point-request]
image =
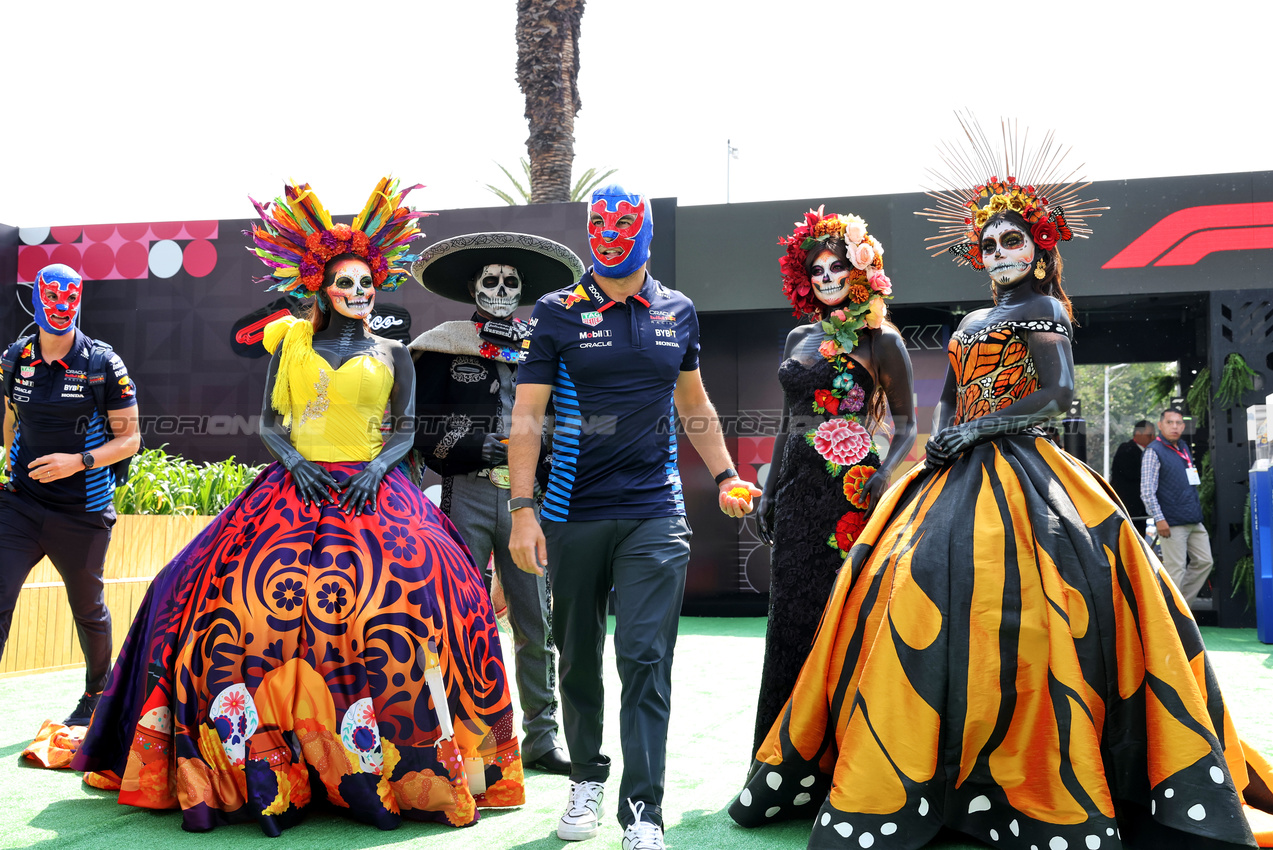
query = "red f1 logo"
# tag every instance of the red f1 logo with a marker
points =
(1186, 236)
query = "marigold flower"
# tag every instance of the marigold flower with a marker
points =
(859, 293)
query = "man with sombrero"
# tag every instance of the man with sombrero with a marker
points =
(465, 377)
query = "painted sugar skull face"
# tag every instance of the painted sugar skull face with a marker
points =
(351, 290)
(1007, 251)
(829, 276)
(497, 290)
(56, 298)
(620, 227)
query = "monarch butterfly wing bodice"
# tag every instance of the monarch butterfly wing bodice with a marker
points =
(993, 367)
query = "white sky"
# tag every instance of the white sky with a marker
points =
(151, 111)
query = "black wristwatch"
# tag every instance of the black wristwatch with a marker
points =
(728, 473)
(520, 502)
(87, 457)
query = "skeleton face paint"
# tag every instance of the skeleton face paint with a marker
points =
(351, 291)
(620, 227)
(1007, 251)
(56, 298)
(830, 278)
(497, 290)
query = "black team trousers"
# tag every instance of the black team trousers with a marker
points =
(76, 544)
(644, 560)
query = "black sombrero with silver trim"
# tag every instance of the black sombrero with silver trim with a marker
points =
(445, 268)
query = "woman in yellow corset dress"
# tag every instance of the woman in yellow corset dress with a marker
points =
(1001, 654)
(328, 635)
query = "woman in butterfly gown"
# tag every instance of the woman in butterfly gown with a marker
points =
(328, 635)
(1001, 654)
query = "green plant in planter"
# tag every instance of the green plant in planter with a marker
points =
(1198, 398)
(164, 484)
(1236, 380)
(1244, 567)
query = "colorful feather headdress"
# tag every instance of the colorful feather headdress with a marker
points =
(297, 237)
(1035, 185)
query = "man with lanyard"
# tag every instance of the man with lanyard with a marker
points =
(465, 372)
(1169, 488)
(614, 354)
(59, 448)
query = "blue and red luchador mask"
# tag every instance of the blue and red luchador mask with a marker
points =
(56, 298)
(620, 227)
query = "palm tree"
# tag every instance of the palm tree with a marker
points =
(548, 74)
(582, 190)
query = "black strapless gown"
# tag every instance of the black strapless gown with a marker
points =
(809, 504)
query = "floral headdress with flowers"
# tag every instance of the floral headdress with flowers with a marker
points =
(843, 441)
(1036, 185)
(297, 237)
(868, 285)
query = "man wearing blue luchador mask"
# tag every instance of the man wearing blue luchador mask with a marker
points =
(617, 354)
(70, 420)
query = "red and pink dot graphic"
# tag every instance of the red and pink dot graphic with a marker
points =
(120, 251)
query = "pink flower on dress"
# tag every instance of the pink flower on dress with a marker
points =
(828, 349)
(842, 441)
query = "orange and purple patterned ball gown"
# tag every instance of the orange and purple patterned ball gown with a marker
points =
(284, 656)
(1002, 655)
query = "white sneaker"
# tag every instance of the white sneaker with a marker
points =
(642, 834)
(582, 817)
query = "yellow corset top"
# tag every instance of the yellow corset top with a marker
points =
(334, 414)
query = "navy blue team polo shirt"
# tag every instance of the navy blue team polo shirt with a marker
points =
(613, 368)
(57, 412)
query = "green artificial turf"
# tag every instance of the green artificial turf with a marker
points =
(716, 674)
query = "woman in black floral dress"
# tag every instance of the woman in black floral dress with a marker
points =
(839, 375)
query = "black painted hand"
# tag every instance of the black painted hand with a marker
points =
(765, 519)
(875, 487)
(358, 492)
(313, 483)
(495, 450)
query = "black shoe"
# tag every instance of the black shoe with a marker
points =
(83, 712)
(553, 761)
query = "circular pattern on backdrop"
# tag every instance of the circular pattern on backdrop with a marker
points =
(201, 229)
(166, 229)
(133, 232)
(69, 255)
(130, 260)
(68, 233)
(99, 261)
(200, 258)
(30, 261)
(98, 232)
(165, 258)
(33, 235)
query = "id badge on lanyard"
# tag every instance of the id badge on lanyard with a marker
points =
(1191, 472)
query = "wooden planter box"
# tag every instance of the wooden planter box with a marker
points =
(42, 636)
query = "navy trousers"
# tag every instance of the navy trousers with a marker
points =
(644, 560)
